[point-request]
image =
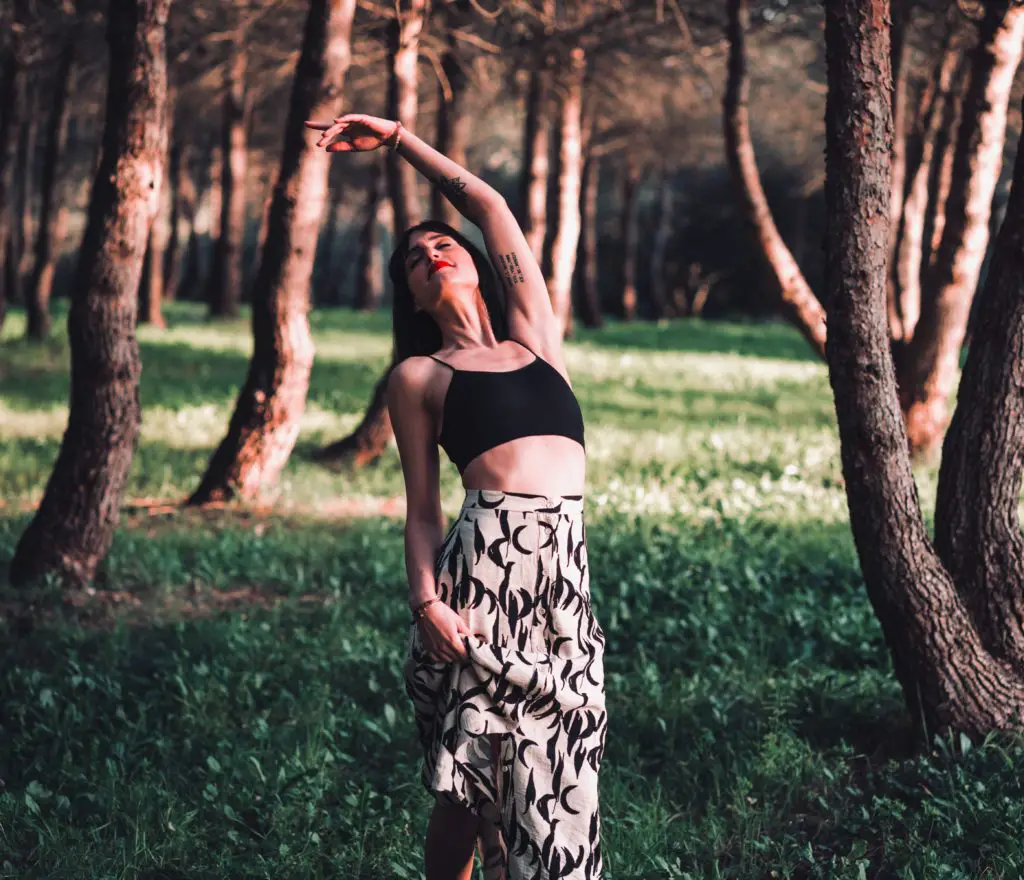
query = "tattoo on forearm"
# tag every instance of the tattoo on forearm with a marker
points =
(454, 189)
(510, 268)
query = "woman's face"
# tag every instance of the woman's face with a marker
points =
(437, 268)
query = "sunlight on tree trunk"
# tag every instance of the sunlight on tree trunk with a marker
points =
(948, 678)
(265, 423)
(798, 301)
(567, 232)
(933, 358)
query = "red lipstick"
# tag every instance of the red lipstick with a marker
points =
(440, 264)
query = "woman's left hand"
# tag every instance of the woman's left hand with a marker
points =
(354, 132)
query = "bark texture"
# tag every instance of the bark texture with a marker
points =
(798, 301)
(933, 358)
(225, 280)
(75, 522)
(948, 679)
(983, 456)
(265, 423)
(40, 283)
(570, 165)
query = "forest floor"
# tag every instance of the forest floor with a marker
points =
(227, 700)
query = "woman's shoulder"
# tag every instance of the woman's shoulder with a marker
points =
(412, 377)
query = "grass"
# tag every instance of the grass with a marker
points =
(229, 704)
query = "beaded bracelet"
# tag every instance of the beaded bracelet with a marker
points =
(418, 611)
(397, 134)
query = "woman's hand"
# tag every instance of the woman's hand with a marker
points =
(354, 132)
(441, 632)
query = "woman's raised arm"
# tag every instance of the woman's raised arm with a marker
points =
(530, 316)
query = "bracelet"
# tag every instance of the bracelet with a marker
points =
(397, 131)
(417, 613)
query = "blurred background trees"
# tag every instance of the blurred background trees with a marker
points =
(664, 159)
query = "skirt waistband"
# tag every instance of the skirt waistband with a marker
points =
(494, 499)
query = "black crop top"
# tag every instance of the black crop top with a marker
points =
(483, 409)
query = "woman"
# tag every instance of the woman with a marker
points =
(505, 664)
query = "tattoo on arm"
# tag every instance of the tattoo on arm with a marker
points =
(510, 268)
(454, 189)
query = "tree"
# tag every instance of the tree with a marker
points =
(570, 166)
(265, 423)
(74, 525)
(40, 285)
(453, 122)
(933, 357)
(224, 292)
(370, 274)
(958, 665)
(629, 236)
(796, 297)
(371, 436)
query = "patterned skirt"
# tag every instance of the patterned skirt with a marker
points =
(514, 567)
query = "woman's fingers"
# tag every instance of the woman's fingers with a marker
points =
(320, 126)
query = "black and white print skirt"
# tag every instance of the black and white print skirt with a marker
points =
(514, 567)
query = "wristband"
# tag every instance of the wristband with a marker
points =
(397, 135)
(417, 613)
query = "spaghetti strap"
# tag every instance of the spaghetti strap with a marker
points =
(524, 345)
(448, 365)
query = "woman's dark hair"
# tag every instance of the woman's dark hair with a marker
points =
(417, 333)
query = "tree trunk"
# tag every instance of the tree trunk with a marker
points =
(588, 304)
(933, 358)
(798, 301)
(533, 198)
(981, 542)
(659, 278)
(403, 104)
(370, 280)
(453, 125)
(370, 438)
(40, 285)
(21, 209)
(629, 235)
(10, 125)
(172, 261)
(901, 75)
(225, 280)
(324, 276)
(191, 270)
(948, 679)
(570, 161)
(151, 284)
(910, 249)
(940, 181)
(265, 423)
(75, 522)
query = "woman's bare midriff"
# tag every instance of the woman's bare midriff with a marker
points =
(544, 465)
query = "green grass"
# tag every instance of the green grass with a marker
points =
(235, 708)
